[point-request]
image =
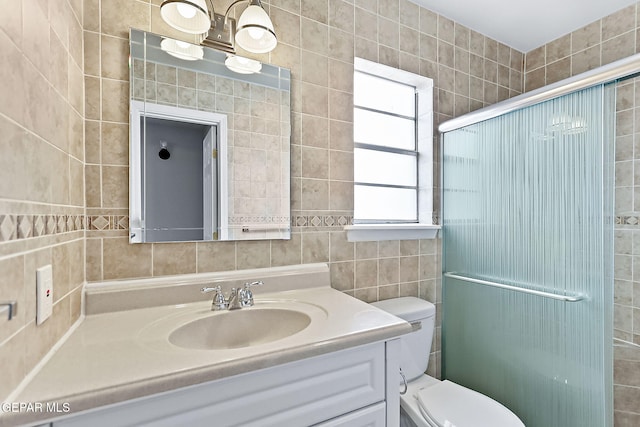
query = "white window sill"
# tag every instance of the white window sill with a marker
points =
(374, 232)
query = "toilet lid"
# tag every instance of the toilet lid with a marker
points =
(450, 405)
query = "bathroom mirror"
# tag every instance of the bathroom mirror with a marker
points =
(209, 147)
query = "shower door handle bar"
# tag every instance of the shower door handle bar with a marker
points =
(566, 298)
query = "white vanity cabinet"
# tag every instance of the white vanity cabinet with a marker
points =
(354, 387)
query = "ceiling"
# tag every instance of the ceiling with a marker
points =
(524, 24)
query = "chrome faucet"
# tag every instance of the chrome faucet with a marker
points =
(238, 298)
(218, 302)
(245, 294)
(233, 303)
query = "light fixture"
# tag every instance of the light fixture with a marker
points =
(182, 50)
(242, 65)
(255, 30)
(188, 16)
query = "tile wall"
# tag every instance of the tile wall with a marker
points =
(41, 174)
(318, 40)
(599, 43)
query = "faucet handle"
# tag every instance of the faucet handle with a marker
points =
(246, 296)
(218, 302)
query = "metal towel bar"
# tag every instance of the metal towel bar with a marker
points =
(566, 298)
(12, 308)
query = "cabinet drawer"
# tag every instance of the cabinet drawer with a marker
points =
(300, 393)
(371, 416)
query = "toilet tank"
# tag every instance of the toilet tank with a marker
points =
(415, 346)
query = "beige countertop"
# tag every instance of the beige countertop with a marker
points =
(116, 356)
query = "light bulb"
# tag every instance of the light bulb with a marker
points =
(182, 44)
(186, 10)
(255, 33)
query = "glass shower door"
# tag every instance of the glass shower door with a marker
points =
(527, 258)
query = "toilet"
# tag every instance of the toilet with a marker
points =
(428, 401)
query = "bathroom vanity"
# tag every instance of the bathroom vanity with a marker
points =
(151, 352)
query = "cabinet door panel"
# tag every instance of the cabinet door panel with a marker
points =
(299, 393)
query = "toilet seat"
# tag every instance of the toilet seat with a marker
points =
(448, 404)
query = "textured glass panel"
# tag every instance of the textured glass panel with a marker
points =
(380, 167)
(383, 95)
(384, 204)
(527, 201)
(382, 129)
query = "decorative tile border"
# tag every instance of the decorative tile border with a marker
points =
(322, 220)
(19, 227)
(628, 220)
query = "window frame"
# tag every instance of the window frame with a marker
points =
(363, 230)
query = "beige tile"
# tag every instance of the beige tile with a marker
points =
(114, 58)
(341, 249)
(428, 47)
(317, 10)
(428, 22)
(315, 163)
(12, 287)
(94, 260)
(14, 161)
(340, 135)
(216, 256)
(341, 45)
(122, 260)
(174, 258)
(535, 58)
(115, 186)
(314, 131)
(585, 37)
(558, 70)
(36, 37)
(58, 64)
(287, 252)
(388, 271)
(92, 105)
(367, 295)
(115, 144)
(117, 16)
(12, 356)
(340, 105)
(341, 165)
(93, 135)
(315, 247)
(315, 100)
(409, 40)
(585, 60)
(315, 68)
(618, 47)
(287, 25)
(366, 49)
(253, 254)
(389, 56)
(92, 53)
(76, 183)
(341, 195)
(342, 275)
(409, 14)
(115, 101)
(366, 273)
(341, 15)
(366, 250)
(619, 22)
(476, 43)
(366, 24)
(314, 37)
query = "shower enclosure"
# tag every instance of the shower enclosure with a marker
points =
(527, 208)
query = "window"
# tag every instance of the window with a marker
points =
(393, 172)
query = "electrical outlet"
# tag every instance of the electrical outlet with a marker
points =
(44, 293)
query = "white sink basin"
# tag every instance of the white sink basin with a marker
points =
(239, 328)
